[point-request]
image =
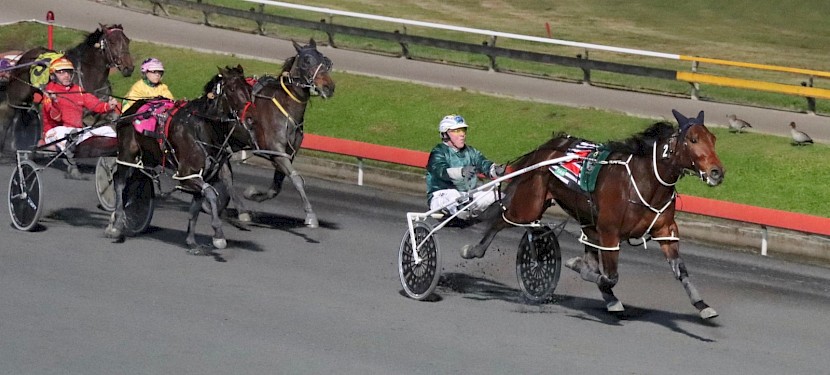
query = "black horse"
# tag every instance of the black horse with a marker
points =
(634, 197)
(278, 124)
(101, 50)
(195, 144)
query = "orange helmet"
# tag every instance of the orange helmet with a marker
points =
(61, 63)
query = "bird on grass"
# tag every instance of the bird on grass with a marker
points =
(800, 138)
(736, 124)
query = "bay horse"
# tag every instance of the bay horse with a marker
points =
(634, 197)
(105, 48)
(194, 138)
(281, 103)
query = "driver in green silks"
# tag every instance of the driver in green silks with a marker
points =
(453, 167)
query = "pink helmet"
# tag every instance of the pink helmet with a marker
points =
(151, 64)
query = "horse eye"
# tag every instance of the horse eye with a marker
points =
(693, 140)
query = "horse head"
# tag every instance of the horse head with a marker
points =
(312, 69)
(116, 46)
(696, 146)
(237, 92)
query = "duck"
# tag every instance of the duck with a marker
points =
(736, 124)
(800, 138)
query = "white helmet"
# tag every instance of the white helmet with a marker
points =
(451, 122)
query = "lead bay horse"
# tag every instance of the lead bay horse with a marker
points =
(281, 103)
(195, 145)
(634, 197)
(104, 48)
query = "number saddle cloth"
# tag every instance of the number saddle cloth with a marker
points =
(581, 174)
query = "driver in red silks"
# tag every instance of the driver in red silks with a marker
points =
(63, 110)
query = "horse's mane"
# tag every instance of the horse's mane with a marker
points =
(211, 85)
(641, 143)
(90, 41)
(289, 62)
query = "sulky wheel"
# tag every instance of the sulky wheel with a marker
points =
(104, 186)
(419, 280)
(538, 263)
(139, 202)
(25, 193)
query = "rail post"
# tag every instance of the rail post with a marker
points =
(50, 20)
(326, 29)
(492, 44)
(260, 26)
(404, 45)
(359, 171)
(586, 73)
(695, 85)
(811, 102)
(764, 240)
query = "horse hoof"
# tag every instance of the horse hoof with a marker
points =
(220, 243)
(311, 221)
(574, 263)
(470, 252)
(615, 306)
(244, 217)
(112, 232)
(708, 313)
(252, 194)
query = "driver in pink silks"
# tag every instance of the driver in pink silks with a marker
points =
(63, 104)
(453, 167)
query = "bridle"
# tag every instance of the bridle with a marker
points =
(237, 116)
(114, 59)
(304, 76)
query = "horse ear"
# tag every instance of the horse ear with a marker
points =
(239, 66)
(699, 119)
(312, 43)
(681, 120)
(297, 46)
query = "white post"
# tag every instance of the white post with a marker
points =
(360, 171)
(764, 240)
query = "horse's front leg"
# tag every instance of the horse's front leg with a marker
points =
(226, 175)
(284, 165)
(257, 195)
(671, 249)
(206, 192)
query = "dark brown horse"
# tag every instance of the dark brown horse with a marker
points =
(196, 146)
(104, 48)
(634, 197)
(281, 104)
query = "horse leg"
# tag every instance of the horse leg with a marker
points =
(496, 225)
(531, 206)
(255, 195)
(226, 175)
(599, 267)
(671, 249)
(207, 193)
(284, 165)
(608, 279)
(118, 222)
